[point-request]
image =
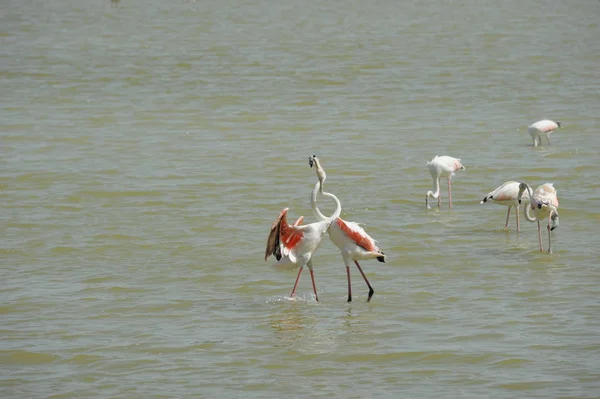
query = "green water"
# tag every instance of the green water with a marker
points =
(147, 148)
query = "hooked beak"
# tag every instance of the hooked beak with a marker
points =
(311, 161)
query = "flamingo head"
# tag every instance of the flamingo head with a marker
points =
(558, 123)
(313, 160)
(554, 219)
(522, 188)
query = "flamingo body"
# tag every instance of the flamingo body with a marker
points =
(507, 194)
(352, 240)
(442, 166)
(542, 128)
(544, 204)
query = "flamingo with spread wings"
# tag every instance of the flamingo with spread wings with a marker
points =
(294, 245)
(352, 240)
(507, 195)
(442, 166)
(544, 203)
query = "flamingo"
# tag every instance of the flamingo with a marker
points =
(544, 203)
(352, 240)
(507, 195)
(545, 127)
(294, 245)
(442, 166)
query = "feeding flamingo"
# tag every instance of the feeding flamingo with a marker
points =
(442, 166)
(507, 195)
(543, 127)
(352, 240)
(294, 245)
(544, 203)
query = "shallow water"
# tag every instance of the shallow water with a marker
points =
(147, 148)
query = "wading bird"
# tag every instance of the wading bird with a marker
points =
(507, 195)
(294, 245)
(544, 127)
(544, 203)
(352, 240)
(442, 166)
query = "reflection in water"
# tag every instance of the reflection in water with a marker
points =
(289, 325)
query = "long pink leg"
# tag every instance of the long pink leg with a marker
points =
(518, 225)
(540, 236)
(296, 283)
(349, 284)
(507, 215)
(371, 290)
(450, 192)
(312, 277)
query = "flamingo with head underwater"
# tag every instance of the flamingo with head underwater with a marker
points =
(507, 195)
(544, 127)
(442, 166)
(352, 240)
(544, 203)
(294, 245)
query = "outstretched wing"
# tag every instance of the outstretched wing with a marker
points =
(283, 237)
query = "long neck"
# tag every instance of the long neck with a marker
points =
(313, 202)
(527, 210)
(338, 206)
(436, 187)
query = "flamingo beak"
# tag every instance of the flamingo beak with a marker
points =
(311, 161)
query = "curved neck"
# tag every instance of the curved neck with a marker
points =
(313, 202)
(527, 210)
(338, 205)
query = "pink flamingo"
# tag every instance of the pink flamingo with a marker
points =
(507, 195)
(352, 240)
(543, 127)
(442, 166)
(294, 245)
(544, 203)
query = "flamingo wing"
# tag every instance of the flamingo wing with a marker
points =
(283, 237)
(357, 234)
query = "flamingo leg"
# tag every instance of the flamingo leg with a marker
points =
(296, 283)
(540, 235)
(507, 215)
(547, 138)
(371, 290)
(549, 236)
(518, 224)
(349, 284)
(450, 192)
(312, 277)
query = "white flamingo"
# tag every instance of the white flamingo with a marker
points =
(352, 240)
(294, 245)
(507, 195)
(544, 203)
(442, 166)
(544, 127)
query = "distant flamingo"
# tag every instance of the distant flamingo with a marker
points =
(442, 166)
(352, 240)
(507, 195)
(294, 245)
(543, 127)
(544, 203)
